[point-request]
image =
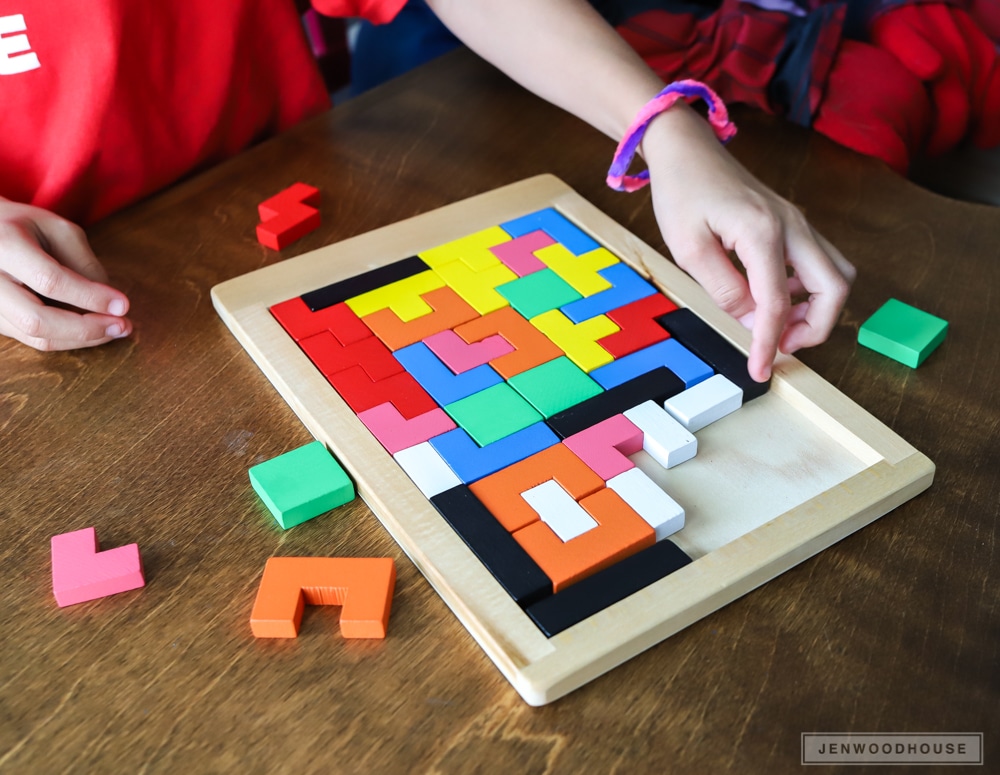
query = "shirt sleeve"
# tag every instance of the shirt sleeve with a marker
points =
(375, 11)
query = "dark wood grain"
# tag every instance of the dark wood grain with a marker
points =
(895, 629)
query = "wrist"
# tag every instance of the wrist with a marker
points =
(668, 120)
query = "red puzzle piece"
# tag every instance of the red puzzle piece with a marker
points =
(301, 322)
(287, 216)
(330, 356)
(638, 326)
(361, 392)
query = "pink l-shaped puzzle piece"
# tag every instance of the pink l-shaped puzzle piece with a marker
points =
(460, 356)
(81, 573)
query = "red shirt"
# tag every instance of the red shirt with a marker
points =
(106, 101)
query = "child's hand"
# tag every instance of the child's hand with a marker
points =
(945, 49)
(707, 205)
(46, 258)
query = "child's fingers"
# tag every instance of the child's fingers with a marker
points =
(24, 317)
(23, 259)
(760, 299)
(826, 276)
(768, 285)
(703, 257)
(67, 243)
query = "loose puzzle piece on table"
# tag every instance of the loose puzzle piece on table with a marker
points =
(288, 216)
(81, 573)
(363, 586)
(903, 333)
(301, 484)
(511, 374)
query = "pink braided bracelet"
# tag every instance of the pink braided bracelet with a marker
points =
(718, 117)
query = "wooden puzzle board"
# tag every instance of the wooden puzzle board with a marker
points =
(786, 476)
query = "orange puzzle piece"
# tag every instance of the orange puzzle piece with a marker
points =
(501, 492)
(363, 586)
(448, 310)
(531, 347)
(620, 532)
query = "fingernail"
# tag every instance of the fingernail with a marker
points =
(116, 331)
(117, 308)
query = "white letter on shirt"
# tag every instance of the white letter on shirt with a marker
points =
(15, 44)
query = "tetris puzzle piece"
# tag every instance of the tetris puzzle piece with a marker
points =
(705, 403)
(81, 573)
(519, 254)
(712, 348)
(556, 225)
(397, 433)
(359, 284)
(501, 491)
(555, 386)
(638, 325)
(579, 601)
(903, 333)
(301, 484)
(287, 216)
(427, 469)
(496, 548)
(459, 356)
(559, 510)
(649, 501)
(620, 532)
(363, 586)
(577, 340)
(605, 446)
(301, 322)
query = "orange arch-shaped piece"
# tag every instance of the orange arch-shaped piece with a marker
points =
(363, 586)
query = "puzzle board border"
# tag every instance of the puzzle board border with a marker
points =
(543, 669)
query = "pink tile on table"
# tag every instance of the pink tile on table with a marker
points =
(81, 573)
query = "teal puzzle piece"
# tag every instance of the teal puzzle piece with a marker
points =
(537, 292)
(301, 484)
(554, 386)
(493, 413)
(903, 333)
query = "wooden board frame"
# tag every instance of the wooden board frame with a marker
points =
(888, 470)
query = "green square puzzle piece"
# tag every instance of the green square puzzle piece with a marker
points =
(903, 333)
(538, 292)
(493, 413)
(301, 484)
(555, 385)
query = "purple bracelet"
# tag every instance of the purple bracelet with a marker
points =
(718, 117)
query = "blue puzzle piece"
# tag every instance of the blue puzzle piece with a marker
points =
(441, 382)
(670, 353)
(627, 286)
(471, 462)
(556, 226)
(685, 364)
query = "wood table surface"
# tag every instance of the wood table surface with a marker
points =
(894, 629)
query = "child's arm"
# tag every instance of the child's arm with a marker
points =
(706, 203)
(43, 255)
